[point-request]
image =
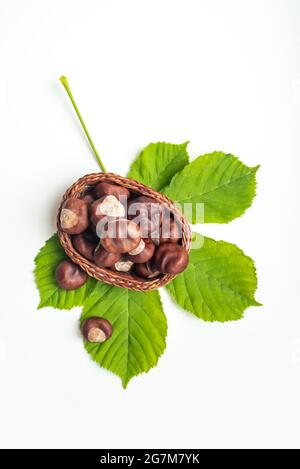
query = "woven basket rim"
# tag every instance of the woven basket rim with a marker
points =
(123, 280)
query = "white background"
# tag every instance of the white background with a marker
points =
(224, 75)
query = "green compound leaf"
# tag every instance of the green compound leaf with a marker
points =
(139, 330)
(219, 283)
(46, 262)
(157, 164)
(221, 182)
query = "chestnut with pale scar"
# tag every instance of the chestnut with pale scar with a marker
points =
(107, 207)
(96, 330)
(74, 216)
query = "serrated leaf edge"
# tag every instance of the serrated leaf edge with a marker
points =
(252, 302)
(252, 171)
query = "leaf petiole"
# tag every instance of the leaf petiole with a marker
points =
(64, 81)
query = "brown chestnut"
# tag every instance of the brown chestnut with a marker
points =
(103, 258)
(120, 236)
(123, 265)
(171, 258)
(85, 244)
(143, 252)
(70, 276)
(106, 206)
(96, 330)
(105, 188)
(74, 216)
(147, 270)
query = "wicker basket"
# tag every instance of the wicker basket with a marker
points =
(130, 281)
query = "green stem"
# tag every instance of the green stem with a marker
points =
(66, 85)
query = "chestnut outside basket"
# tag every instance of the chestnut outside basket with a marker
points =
(125, 280)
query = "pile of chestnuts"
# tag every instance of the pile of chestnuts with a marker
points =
(121, 231)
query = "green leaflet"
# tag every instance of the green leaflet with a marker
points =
(140, 329)
(157, 164)
(46, 262)
(219, 283)
(221, 182)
